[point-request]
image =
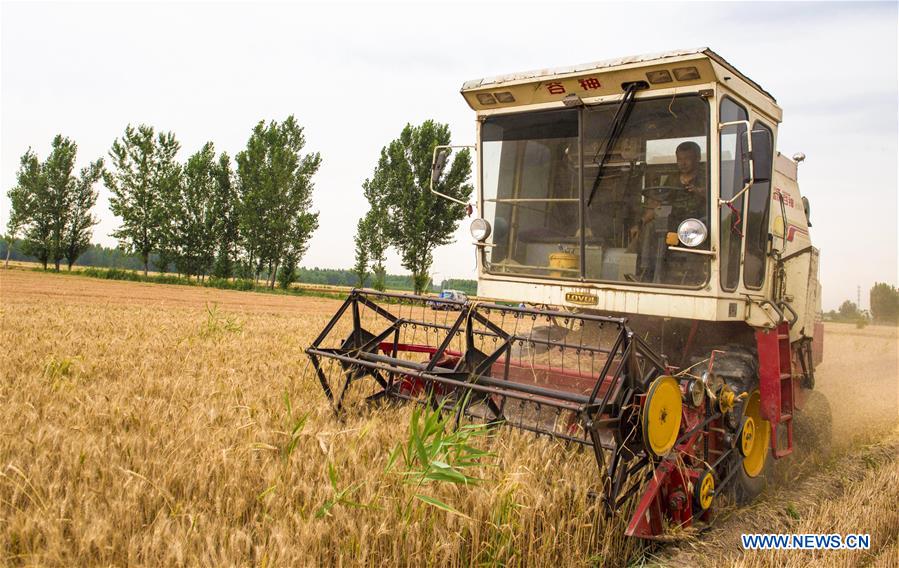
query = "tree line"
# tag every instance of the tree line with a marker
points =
(203, 217)
(883, 300)
(98, 256)
(250, 217)
(207, 218)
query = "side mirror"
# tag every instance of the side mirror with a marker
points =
(808, 210)
(439, 164)
(761, 156)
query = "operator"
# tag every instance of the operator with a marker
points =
(689, 198)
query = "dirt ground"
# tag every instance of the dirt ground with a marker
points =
(135, 428)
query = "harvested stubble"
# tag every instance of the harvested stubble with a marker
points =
(142, 426)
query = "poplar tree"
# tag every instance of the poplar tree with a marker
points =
(60, 185)
(275, 187)
(415, 220)
(225, 218)
(27, 214)
(79, 224)
(52, 207)
(376, 236)
(193, 222)
(360, 268)
(145, 175)
(21, 197)
(884, 301)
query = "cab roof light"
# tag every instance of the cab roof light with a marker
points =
(505, 97)
(660, 76)
(486, 99)
(686, 73)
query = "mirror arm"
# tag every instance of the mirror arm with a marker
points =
(751, 168)
(737, 196)
(433, 159)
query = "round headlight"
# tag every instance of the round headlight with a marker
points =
(692, 232)
(480, 229)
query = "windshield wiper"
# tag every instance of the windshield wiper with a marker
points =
(616, 128)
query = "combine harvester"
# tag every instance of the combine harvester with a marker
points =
(656, 290)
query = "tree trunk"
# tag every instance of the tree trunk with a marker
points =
(274, 276)
(420, 281)
(56, 262)
(8, 250)
(146, 259)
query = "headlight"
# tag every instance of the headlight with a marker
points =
(480, 229)
(692, 232)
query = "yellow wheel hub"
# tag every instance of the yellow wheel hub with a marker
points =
(747, 437)
(755, 438)
(662, 415)
(726, 399)
(705, 490)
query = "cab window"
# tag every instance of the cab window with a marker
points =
(757, 226)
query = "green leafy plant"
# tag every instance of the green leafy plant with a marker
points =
(792, 512)
(435, 452)
(340, 497)
(59, 370)
(217, 323)
(295, 427)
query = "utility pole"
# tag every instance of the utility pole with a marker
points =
(858, 297)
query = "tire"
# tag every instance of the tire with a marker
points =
(739, 370)
(746, 489)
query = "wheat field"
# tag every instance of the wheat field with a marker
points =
(143, 424)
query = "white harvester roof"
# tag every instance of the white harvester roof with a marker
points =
(606, 65)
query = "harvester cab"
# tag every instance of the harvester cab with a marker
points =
(647, 285)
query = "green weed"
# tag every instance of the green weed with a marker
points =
(341, 496)
(217, 323)
(435, 452)
(59, 371)
(295, 427)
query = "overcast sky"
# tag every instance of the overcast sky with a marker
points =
(355, 74)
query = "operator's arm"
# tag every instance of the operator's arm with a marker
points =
(648, 214)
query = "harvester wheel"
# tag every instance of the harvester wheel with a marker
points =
(755, 437)
(661, 415)
(754, 450)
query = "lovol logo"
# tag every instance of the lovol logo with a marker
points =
(581, 298)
